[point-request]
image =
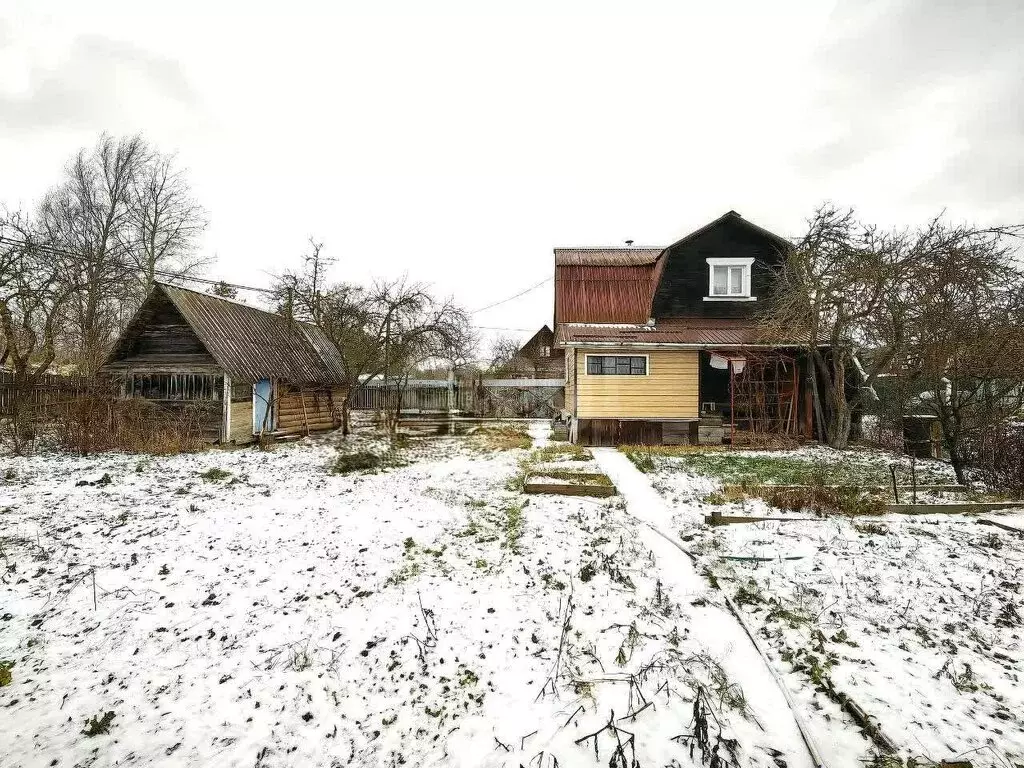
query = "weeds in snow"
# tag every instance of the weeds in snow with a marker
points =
(365, 461)
(215, 474)
(98, 724)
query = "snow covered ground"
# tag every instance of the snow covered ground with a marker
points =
(251, 608)
(918, 619)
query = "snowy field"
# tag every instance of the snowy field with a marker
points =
(247, 608)
(918, 619)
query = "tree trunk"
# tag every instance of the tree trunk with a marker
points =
(345, 408)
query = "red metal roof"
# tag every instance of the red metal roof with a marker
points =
(700, 331)
(605, 294)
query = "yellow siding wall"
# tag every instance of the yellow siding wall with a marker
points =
(668, 391)
(570, 381)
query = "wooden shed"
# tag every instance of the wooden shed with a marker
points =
(245, 371)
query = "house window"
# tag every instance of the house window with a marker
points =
(545, 351)
(729, 280)
(616, 365)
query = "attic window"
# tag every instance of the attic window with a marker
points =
(545, 351)
(729, 280)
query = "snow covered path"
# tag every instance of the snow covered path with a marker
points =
(713, 626)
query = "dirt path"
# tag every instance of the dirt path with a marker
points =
(716, 628)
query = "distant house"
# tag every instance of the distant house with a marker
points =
(537, 358)
(243, 370)
(660, 341)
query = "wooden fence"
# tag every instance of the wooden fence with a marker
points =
(48, 391)
(508, 398)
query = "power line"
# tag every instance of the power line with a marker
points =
(160, 272)
(510, 298)
(497, 328)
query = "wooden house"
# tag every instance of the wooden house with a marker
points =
(661, 344)
(537, 358)
(245, 371)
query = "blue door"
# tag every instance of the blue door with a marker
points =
(262, 406)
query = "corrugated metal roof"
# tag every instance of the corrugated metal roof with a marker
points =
(252, 344)
(711, 333)
(606, 257)
(605, 294)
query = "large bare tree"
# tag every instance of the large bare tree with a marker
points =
(964, 362)
(382, 331)
(120, 215)
(164, 223)
(33, 290)
(838, 295)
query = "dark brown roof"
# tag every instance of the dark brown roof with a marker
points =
(248, 343)
(606, 257)
(695, 331)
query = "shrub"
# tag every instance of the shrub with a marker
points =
(998, 456)
(99, 422)
(5, 673)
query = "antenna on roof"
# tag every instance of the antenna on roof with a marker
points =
(629, 242)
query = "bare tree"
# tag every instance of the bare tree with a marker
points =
(121, 214)
(384, 331)
(164, 223)
(85, 216)
(964, 362)
(32, 293)
(838, 293)
(416, 329)
(504, 351)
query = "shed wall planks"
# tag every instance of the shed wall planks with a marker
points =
(668, 391)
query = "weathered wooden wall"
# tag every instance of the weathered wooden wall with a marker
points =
(619, 432)
(301, 411)
(164, 337)
(241, 422)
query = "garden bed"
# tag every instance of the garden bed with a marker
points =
(569, 483)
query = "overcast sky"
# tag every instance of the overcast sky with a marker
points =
(460, 143)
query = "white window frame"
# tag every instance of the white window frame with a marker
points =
(745, 263)
(647, 365)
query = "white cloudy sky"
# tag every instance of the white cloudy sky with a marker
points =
(461, 142)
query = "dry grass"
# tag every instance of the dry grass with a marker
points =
(98, 423)
(502, 438)
(824, 500)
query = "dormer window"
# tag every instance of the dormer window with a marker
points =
(729, 280)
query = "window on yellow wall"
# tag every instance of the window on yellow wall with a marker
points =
(616, 365)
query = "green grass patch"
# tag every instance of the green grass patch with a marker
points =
(365, 461)
(215, 474)
(571, 476)
(561, 452)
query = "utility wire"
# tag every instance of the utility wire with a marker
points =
(208, 281)
(510, 298)
(160, 272)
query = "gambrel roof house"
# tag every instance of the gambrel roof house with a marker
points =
(657, 340)
(245, 370)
